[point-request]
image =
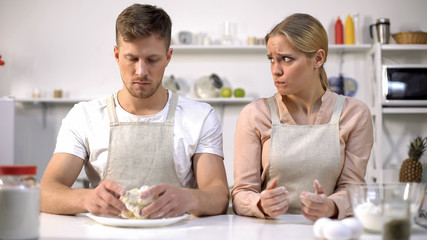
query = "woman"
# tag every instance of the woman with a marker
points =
(295, 151)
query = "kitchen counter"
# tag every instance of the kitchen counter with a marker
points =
(216, 227)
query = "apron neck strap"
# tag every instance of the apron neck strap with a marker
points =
(273, 110)
(339, 103)
(172, 107)
(111, 106)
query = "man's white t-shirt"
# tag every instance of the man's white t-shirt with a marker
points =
(85, 133)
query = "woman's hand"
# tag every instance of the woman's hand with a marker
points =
(274, 201)
(317, 205)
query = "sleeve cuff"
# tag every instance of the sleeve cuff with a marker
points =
(344, 208)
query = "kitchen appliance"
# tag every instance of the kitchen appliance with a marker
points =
(185, 37)
(343, 85)
(404, 85)
(382, 27)
(169, 82)
(208, 86)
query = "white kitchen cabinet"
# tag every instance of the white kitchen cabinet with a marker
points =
(394, 127)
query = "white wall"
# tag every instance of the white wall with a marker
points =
(49, 44)
(69, 44)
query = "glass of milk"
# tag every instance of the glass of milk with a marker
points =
(19, 203)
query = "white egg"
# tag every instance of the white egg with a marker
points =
(319, 225)
(335, 230)
(355, 226)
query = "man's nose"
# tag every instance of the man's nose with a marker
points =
(141, 68)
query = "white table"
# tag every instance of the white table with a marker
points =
(220, 227)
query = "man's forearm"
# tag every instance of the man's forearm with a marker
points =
(211, 201)
(59, 199)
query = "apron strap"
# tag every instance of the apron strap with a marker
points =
(111, 107)
(339, 103)
(172, 107)
(273, 110)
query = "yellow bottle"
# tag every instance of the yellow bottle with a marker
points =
(349, 31)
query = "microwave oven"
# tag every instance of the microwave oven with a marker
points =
(404, 85)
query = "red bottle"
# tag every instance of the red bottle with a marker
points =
(339, 32)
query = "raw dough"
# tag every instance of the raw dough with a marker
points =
(134, 203)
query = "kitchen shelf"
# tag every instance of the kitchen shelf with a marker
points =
(404, 47)
(51, 100)
(219, 49)
(361, 48)
(44, 102)
(378, 56)
(404, 110)
(220, 100)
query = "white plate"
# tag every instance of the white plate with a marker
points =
(122, 222)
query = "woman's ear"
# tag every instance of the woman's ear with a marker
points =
(319, 57)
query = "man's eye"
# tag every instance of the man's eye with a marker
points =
(152, 61)
(271, 60)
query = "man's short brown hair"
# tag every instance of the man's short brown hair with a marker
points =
(142, 20)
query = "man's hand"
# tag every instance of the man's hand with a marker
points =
(317, 205)
(210, 198)
(274, 201)
(104, 199)
(172, 201)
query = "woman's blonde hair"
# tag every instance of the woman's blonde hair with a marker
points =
(307, 35)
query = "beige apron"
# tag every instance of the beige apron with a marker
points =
(299, 154)
(141, 153)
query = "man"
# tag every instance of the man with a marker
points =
(141, 135)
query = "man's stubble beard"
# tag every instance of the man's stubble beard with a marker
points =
(144, 94)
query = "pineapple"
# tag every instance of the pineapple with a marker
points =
(411, 169)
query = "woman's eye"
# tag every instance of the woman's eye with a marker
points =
(286, 59)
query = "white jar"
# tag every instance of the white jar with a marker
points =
(19, 203)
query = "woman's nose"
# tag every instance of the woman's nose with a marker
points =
(276, 69)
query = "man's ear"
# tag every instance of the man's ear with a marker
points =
(116, 53)
(169, 55)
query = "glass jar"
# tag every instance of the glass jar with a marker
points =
(397, 212)
(19, 202)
